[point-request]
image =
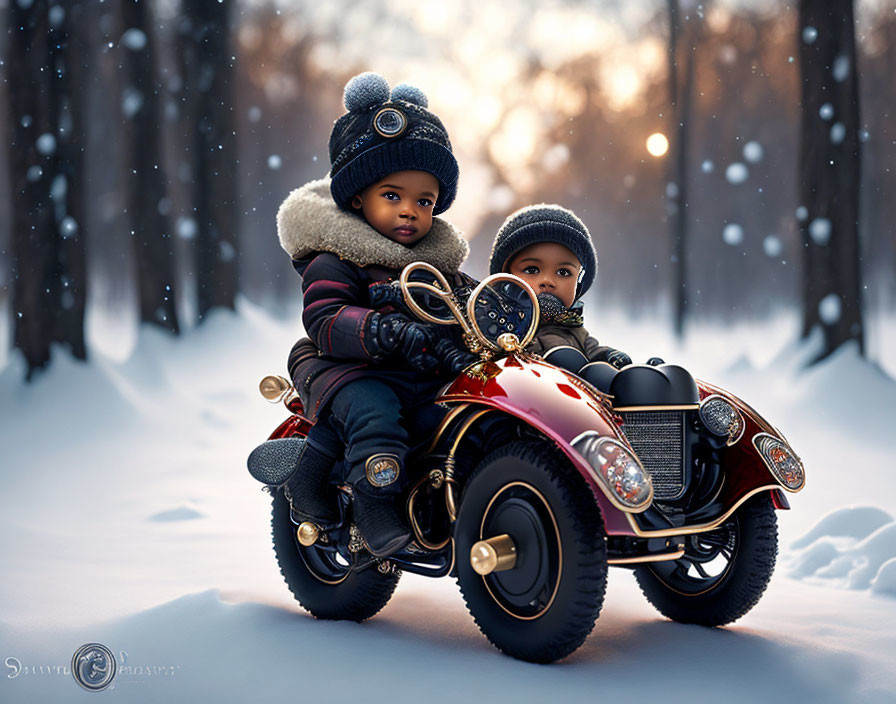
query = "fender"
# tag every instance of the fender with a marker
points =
(743, 466)
(554, 402)
(294, 425)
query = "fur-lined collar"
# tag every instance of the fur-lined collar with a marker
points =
(309, 221)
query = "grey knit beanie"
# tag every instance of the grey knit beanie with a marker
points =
(545, 223)
(385, 132)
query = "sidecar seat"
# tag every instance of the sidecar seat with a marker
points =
(664, 385)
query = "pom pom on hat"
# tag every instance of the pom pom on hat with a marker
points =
(361, 153)
(410, 94)
(365, 90)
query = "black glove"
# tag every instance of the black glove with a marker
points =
(453, 357)
(655, 361)
(396, 334)
(618, 358)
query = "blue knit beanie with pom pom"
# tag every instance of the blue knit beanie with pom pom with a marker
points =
(384, 132)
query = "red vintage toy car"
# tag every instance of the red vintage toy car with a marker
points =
(537, 481)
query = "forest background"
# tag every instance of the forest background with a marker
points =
(150, 144)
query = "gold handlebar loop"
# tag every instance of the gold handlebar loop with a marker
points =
(442, 291)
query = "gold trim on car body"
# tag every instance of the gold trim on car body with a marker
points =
(700, 527)
(415, 526)
(658, 407)
(446, 421)
(659, 557)
(559, 549)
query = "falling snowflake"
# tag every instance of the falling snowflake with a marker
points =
(56, 15)
(68, 227)
(820, 231)
(840, 70)
(829, 309)
(187, 228)
(772, 247)
(226, 252)
(733, 234)
(838, 132)
(753, 152)
(810, 34)
(131, 102)
(736, 173)
(134, 39)
(46, 144)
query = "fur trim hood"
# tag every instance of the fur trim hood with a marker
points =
(309, 221)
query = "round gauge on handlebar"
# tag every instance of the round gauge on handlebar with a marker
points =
(503, 312)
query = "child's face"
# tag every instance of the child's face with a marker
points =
(548, 267)
(400, 205)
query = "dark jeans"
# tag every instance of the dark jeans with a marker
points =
(373, 416)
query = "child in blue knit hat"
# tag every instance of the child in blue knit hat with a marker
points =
(551, 249)
(368, 371)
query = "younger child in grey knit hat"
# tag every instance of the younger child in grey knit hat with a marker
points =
(551, 249)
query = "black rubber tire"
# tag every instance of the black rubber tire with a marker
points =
(356, 598)
(740, 588)
(566, 621)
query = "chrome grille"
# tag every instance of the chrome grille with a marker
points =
(658, 438)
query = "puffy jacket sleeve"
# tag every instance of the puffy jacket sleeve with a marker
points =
(335, 315)
(595, 352)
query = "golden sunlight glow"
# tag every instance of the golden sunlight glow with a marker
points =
(622, 82)
(657, 144)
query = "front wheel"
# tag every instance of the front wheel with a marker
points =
(321, 578)
(723, 572)
(543, 607)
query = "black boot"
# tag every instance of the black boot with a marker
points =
(382, 526)
(306, 489)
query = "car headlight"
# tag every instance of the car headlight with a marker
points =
(617, 468)
(722, 418)
(781, 461)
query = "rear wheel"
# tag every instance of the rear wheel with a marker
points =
(320, 577)
(723, 572)
(544, 607)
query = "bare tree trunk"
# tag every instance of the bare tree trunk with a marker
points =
(681, 98)
(145, 182)
(47, 179)
(829, 170)
(209, 78)
(71, 219)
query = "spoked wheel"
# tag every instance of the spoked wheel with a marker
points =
(546, 565)
(722, 574)
(321, 577)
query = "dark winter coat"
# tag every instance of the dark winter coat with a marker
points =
(348, 273)
(550, 336)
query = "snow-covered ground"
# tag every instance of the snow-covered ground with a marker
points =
(128, 519)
